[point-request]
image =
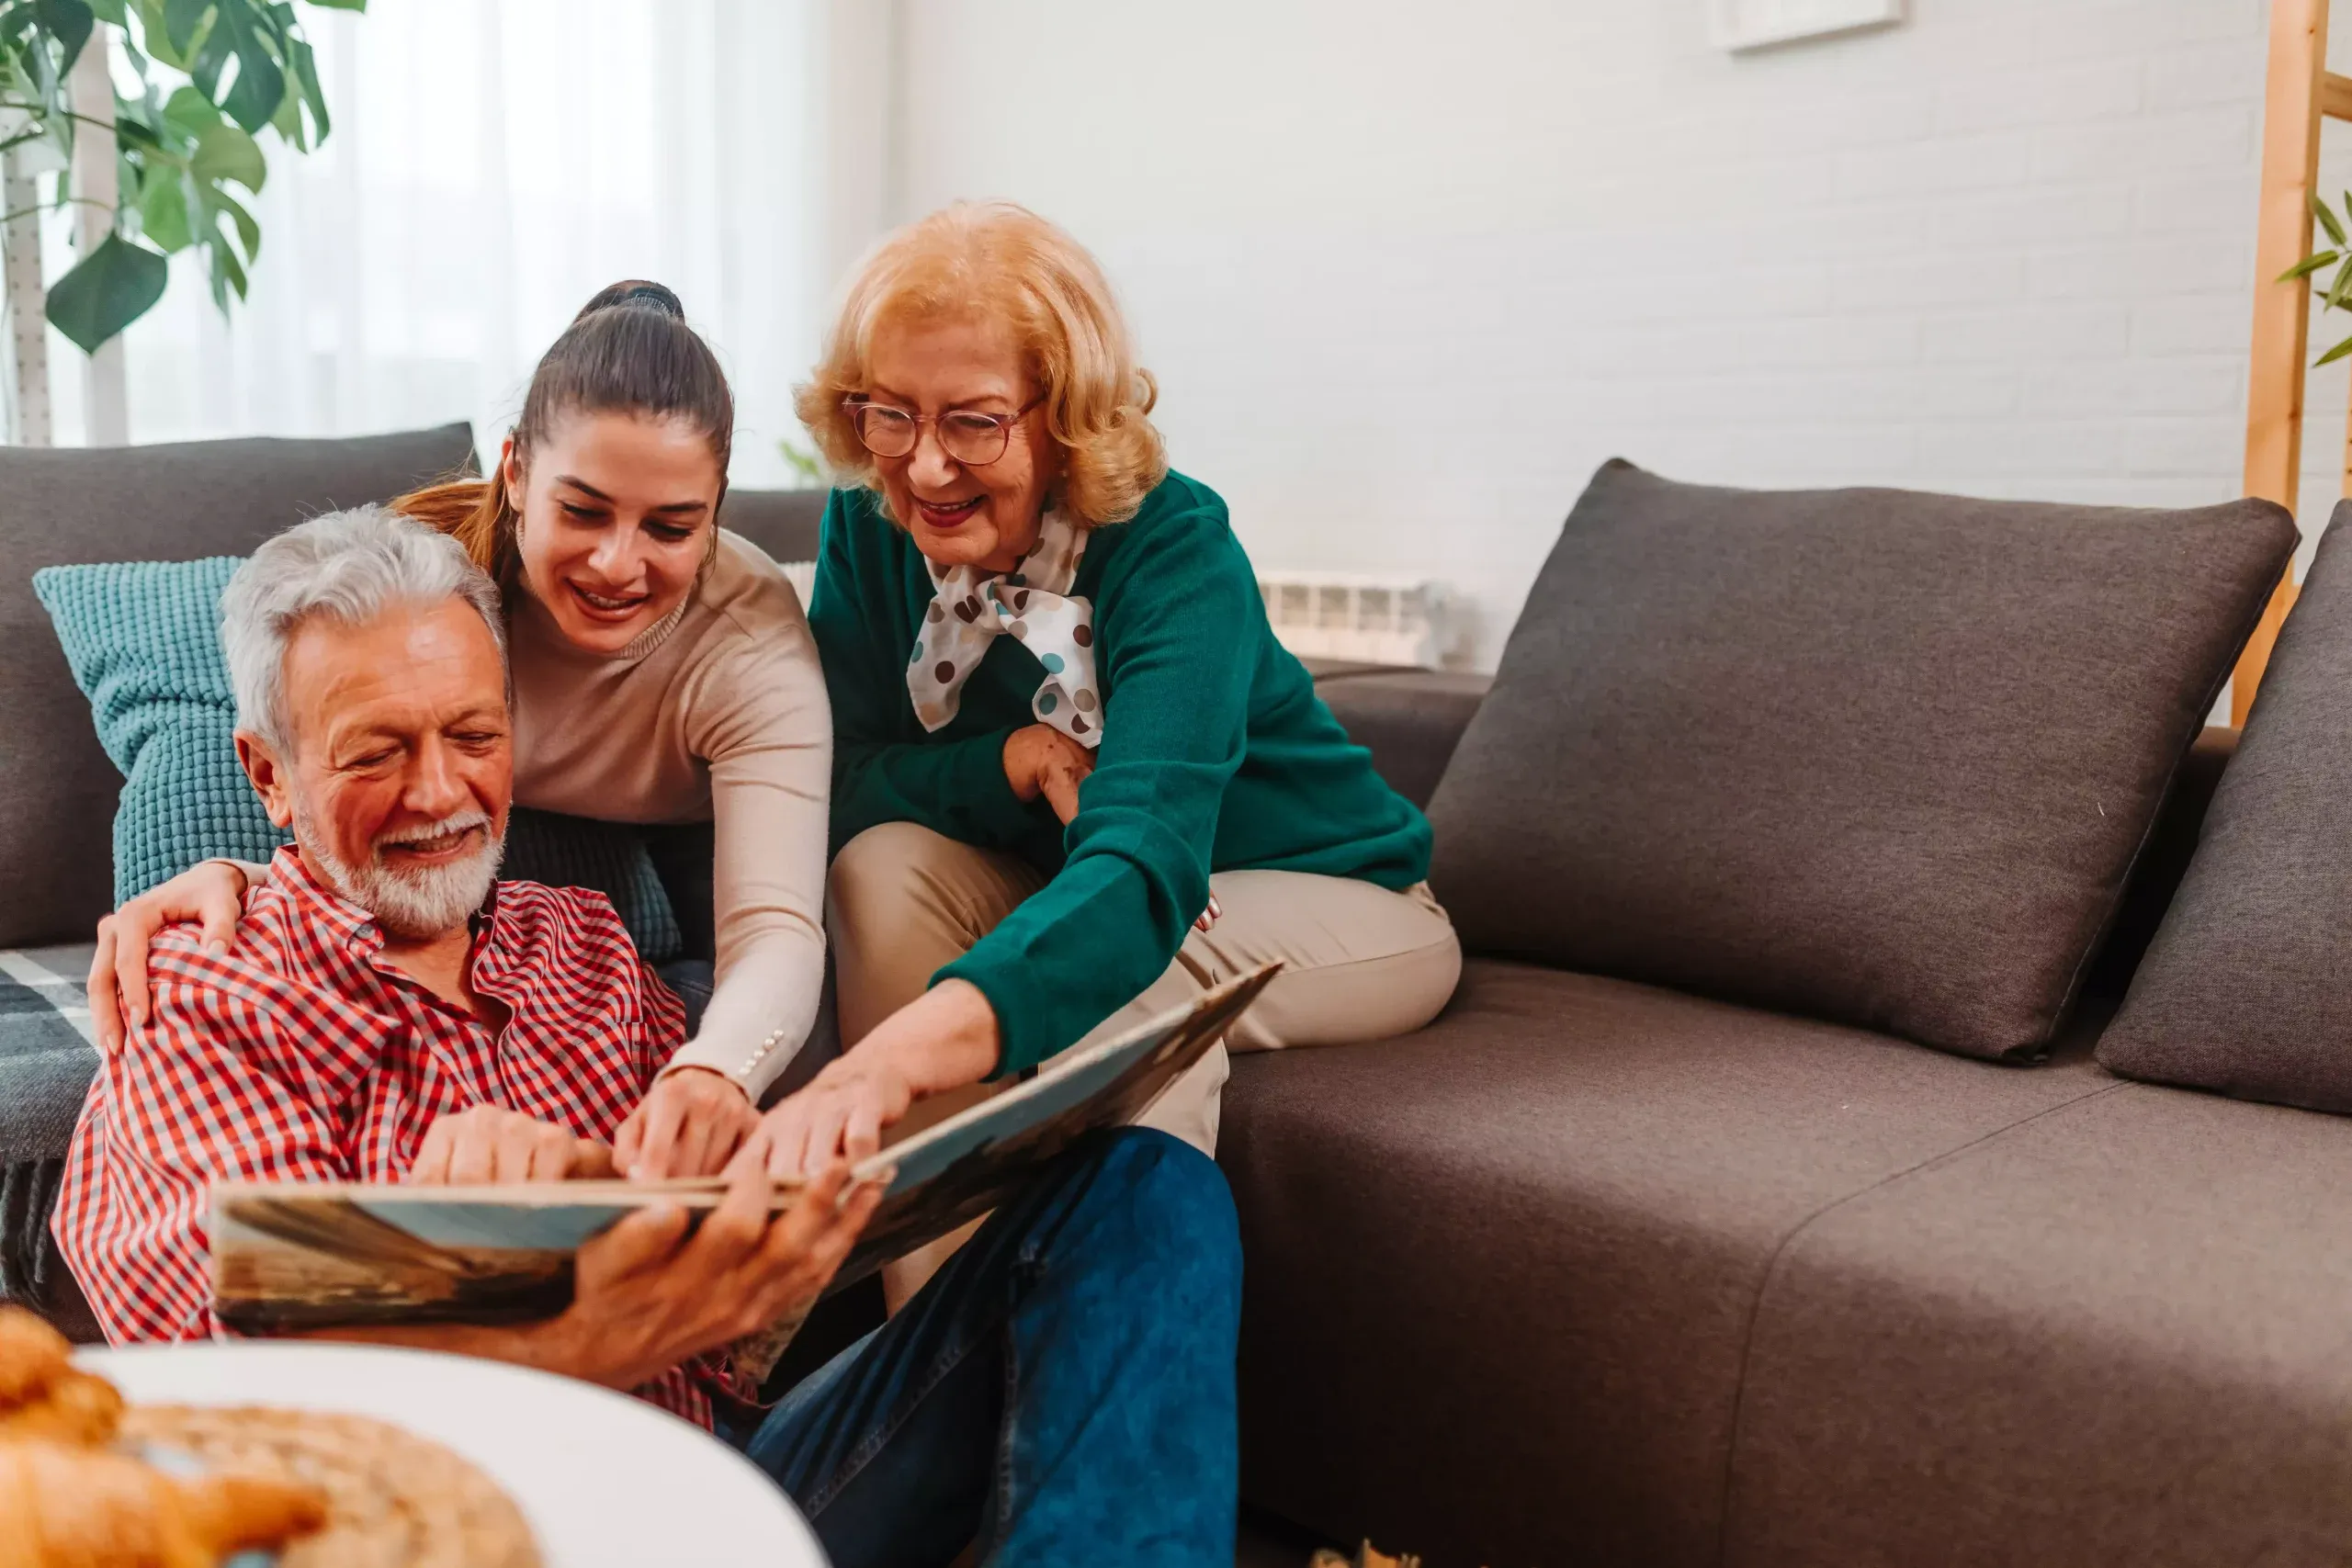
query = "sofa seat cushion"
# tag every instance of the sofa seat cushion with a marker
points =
(1515, 1256)
(1868, 755)
(2120, 1332)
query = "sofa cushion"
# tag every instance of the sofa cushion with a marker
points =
(1514, 1258)
(785, 523)
(167, 503)
(142, 639)
(2243, 988)
(2172, 845)
(1411, 720)
(1872, 756)
(2115, 1334)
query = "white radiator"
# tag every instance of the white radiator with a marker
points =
(1381, 620)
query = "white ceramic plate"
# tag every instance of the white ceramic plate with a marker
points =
(604, 1479)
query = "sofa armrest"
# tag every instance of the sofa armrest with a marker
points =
(1409, 719)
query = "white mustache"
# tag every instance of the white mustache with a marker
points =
(458, 822)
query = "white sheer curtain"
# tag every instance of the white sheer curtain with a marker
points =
(493, 162)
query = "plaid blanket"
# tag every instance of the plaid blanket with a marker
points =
(47, 1057)
(47, 1060)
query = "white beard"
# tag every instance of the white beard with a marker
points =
(414, 903)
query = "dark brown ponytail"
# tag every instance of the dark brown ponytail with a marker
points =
(628, 351)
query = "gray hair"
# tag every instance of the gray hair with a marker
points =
(349, 566)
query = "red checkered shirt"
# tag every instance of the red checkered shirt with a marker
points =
(298, 1056)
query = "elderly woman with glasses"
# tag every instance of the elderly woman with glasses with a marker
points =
(1076, 779)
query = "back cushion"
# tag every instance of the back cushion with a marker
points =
(1879, 757)
(173, 502)
(783, 522)
(142, 639)
(2242, 989)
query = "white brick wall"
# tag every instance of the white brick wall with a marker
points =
(1409, 271)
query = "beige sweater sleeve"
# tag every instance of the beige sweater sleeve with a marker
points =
(759, 719)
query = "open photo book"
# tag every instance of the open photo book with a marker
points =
(301, 1255)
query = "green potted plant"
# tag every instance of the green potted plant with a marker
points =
(194, 84)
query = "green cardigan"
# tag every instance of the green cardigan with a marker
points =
(1216, 755)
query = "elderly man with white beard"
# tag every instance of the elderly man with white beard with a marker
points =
(1062, 1393)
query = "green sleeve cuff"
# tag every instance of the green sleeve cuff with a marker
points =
(1024, 1039)
(975, 781)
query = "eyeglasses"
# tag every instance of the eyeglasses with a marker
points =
(975, 440)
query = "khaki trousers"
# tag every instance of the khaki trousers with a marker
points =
(1360, 962)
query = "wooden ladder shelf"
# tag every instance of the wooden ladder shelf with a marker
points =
(2302, 92)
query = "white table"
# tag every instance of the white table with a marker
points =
(603, 1478)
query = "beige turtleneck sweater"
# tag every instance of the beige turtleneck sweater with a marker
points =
(717, 715)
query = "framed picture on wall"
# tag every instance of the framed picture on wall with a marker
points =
(1754, 24)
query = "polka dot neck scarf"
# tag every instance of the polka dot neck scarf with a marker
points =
(1032, 603)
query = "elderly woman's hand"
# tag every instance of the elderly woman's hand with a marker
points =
(943, 1039)
(1039, 758)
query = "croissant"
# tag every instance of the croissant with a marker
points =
(32, 1356)
(79, 1408)
(81, 1507)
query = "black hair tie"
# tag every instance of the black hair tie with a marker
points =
(660, 298)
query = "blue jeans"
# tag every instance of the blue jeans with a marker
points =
(1062, 1390)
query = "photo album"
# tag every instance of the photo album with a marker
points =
(305, 1254)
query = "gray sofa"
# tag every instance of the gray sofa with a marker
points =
(1598, 1271)
(1591, 1269)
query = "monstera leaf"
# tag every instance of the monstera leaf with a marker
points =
(213, 76)
(108, 289)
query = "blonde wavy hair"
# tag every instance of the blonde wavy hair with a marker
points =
(997, 260)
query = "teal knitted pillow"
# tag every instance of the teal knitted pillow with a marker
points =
(143, 638)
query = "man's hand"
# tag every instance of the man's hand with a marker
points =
(943, 1039)
(488, 1143)
(211, 893)
(646, 1295)
(1038, 758)
(690, 1125)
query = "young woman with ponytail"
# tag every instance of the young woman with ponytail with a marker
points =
(663, 674)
